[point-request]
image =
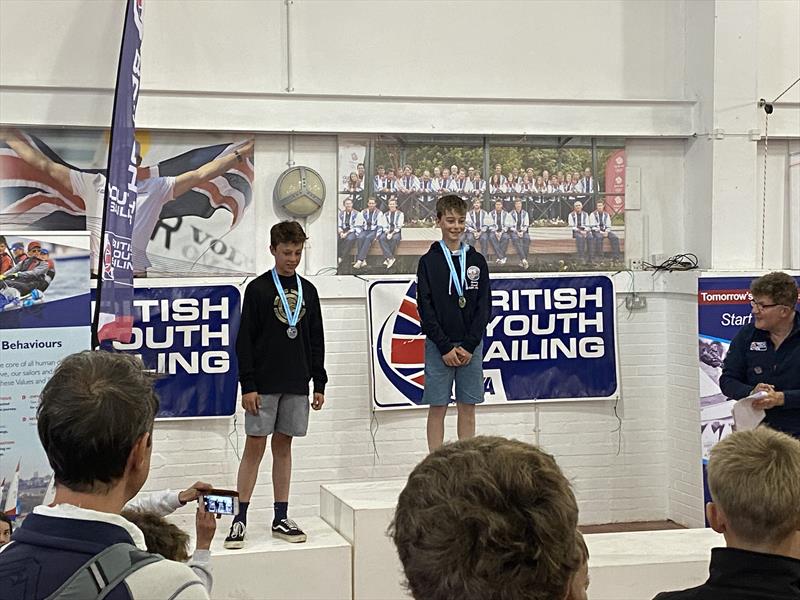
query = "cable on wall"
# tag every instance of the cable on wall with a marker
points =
(374, 425)
(289, 71)
(680, 262)
(764, 187)
(618, 428)
(768, 108)
(231, 433)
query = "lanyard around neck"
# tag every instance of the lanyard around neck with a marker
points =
(458, 283)
(291, 316)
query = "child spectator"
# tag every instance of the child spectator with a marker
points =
(489, 519)
(171, 542)
(754, 480)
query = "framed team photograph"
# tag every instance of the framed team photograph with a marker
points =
(533, 204)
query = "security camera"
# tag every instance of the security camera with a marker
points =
(767, 106)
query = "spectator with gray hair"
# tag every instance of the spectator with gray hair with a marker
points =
(95, 422)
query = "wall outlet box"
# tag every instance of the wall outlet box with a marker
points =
(635, 302)
(635, 264)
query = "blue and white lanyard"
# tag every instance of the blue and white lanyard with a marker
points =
(461, 283)
(291, 317)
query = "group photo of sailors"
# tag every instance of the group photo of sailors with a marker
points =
(503, 212)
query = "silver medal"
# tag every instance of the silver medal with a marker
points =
(291, 332)
(462, 302)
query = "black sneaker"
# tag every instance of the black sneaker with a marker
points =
(286, 529)
(235, 539)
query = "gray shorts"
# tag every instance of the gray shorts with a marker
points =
(284, 413)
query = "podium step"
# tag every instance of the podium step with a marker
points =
(361, 513)
(268, 568)
(637, 565)
(622, 566)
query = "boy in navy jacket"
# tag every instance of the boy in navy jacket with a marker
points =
(453, 298)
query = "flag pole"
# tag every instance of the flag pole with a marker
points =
(115, 254)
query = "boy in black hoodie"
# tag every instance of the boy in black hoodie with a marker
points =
(453, 299)
(280, 347)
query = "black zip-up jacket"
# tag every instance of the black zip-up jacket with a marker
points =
(744, 575)
(443, 322)
(752, 359)
(270, 362)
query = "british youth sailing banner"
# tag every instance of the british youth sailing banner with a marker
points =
(113, 318)
(549, 338)
(188, 335)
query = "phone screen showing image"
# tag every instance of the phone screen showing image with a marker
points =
(221, 505)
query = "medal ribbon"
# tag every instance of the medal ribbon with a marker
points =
(291, 317)
(459, 284)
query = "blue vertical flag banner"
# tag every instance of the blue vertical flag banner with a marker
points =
(188, 336)
(548, 338)
(723, 307)
(113, 314)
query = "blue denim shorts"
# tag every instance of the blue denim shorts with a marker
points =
(439, 378)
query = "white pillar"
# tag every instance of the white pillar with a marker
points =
(736, 213)
(723, 215)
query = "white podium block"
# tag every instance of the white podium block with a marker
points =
(272, 569)
(361, 513)
(637, 565)
(622, 566)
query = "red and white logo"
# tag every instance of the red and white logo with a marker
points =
(108, 260)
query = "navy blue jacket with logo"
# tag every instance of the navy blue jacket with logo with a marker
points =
(443, 321)
(752, 359)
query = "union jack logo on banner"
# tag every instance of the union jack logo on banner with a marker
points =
(401, 348)
(108, 262)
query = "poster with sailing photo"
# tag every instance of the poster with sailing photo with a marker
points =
(194, 212)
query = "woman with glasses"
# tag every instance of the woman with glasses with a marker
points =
(765, 354)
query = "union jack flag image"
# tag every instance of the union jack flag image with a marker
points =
(31, 199)
(232, 191)
(400, 348)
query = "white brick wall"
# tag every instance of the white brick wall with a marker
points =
(643, 472)
(683, 413)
